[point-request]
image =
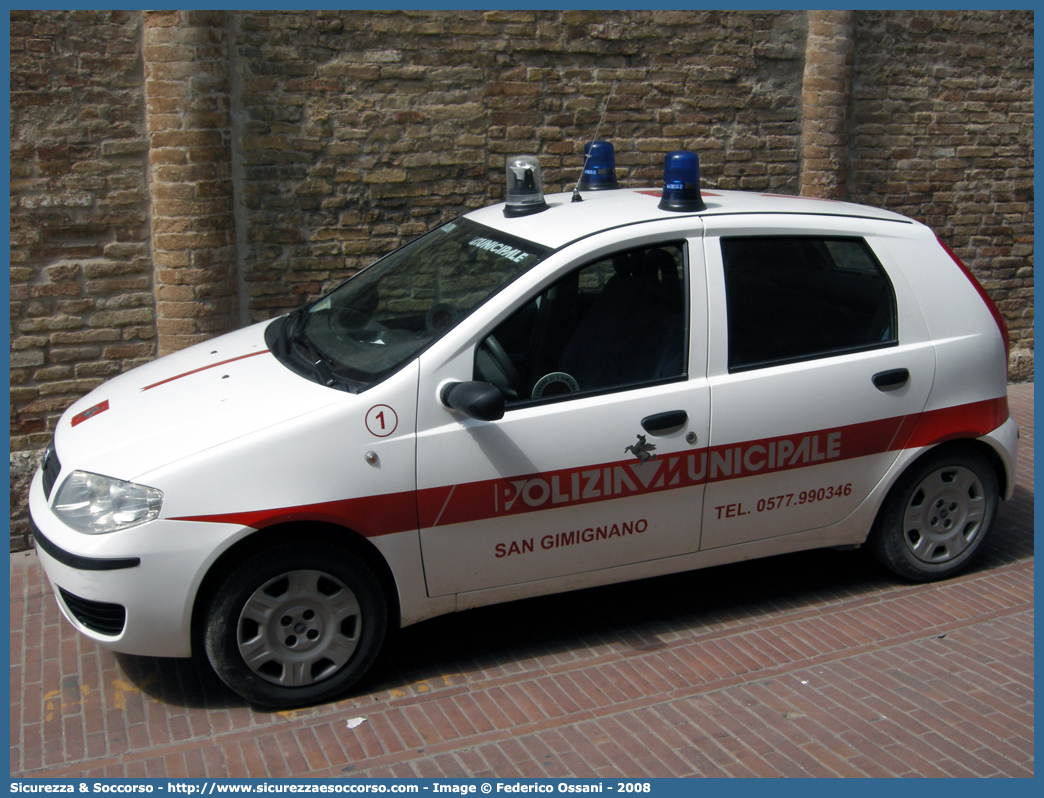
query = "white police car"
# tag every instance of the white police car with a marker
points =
(539, 396)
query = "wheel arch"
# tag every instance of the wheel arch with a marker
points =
(881, 541)
(304, 531)
(978, 446)
(968, 445)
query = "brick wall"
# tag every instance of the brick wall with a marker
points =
(188, 115)
(82, 308)
(361, 130)
(826, 102)
(943, 132)
(177, 174)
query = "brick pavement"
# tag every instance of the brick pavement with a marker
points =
(814, 664)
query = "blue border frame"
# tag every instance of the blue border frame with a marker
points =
(661, 787)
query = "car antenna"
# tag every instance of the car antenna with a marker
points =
(576, 188)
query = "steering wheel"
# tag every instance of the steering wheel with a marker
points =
(507, 376)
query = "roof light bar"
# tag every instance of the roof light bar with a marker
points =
(599, 167)
(681, 182)
(525, 186)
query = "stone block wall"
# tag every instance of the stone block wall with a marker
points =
(178, 174)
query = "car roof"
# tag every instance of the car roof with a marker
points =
(565, 221)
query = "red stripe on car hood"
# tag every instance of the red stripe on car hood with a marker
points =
(204, 368)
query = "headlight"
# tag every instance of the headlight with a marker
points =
(95, 504)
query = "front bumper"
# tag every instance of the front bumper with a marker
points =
(133, 590)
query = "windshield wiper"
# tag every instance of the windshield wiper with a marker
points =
(310, 354)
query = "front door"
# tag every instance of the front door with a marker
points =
(590, 466)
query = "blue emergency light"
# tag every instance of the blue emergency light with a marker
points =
(681, 182)
(599, 167)
(525, 186)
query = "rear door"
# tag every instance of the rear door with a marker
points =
(820, 366)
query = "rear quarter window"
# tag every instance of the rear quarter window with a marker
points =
(793, 298)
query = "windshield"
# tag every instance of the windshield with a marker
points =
(377, 321)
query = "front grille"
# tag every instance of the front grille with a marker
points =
(105, 619)
(51, 469)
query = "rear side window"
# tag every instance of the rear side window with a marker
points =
(793, 298)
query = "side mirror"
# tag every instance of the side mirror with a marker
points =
(479, 400)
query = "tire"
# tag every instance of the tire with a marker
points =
(296, 624)
(937, 515)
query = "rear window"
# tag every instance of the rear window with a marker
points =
(793, 298)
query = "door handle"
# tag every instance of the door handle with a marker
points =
(888, 380)
(665, 423)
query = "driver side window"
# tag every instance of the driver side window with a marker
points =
(616, 323)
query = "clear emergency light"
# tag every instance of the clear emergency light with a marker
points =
(525, 186)
(681, 182)
(599, 167)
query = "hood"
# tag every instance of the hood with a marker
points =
(183, 403)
